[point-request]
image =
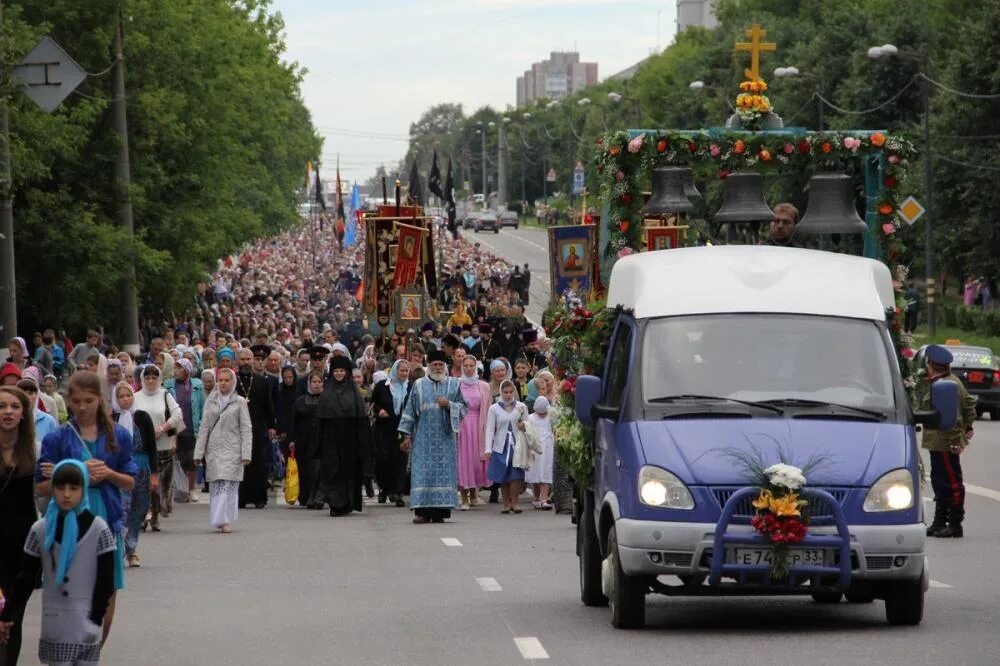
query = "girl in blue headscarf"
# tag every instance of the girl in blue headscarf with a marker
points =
(75, 550)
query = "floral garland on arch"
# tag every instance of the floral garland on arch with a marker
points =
(579, 336)
(624, 164)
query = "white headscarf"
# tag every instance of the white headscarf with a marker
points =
(159, 380)
(127, 416)
(225, 398)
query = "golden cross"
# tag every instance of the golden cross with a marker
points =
(755, 46)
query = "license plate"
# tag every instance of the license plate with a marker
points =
(796, 556)
(975, 377)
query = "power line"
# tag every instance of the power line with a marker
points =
(980, 167)
(960, 93)
(866, 111)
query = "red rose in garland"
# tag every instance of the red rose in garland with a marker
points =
(765, 154)
(804, 147)
(614, 150)
(740, 146)
(626, 198)
(826, 147)
(890, 181)
(661, 146)
(623, 226)
(692, 147)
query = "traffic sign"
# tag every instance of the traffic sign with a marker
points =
(48, 75)
(910, 210)
(578, 179)
(551, 176)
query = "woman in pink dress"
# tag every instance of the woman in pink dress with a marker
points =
(476, 393)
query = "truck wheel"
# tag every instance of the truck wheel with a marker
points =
(827, 597)
(588, 551)
(979, 413)
(496, 230)
(627, 597)
(904, 602)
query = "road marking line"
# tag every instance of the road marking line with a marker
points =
(451, 542)
(525, 240)
(531, 648)
(983, 492)
(534, 276)
(489, 584)
(939, 584)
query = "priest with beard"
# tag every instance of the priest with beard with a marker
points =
(430, 424)
(253, 387)
(343, 439)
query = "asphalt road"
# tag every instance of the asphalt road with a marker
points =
(292, 586)
(527, 245)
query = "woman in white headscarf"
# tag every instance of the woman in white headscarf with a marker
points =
(225, 444)
(168, 420)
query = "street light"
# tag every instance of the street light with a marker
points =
(890, 50)
(793, 72)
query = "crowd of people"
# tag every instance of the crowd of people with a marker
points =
(276, 361)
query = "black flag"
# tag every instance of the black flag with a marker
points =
(449, 199)
(320, 199)
(415, 191)
(434, 180)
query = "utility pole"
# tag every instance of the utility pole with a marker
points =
(502, 167)
(928, 208)
(123, 184)
(8, 294)
(482, 153)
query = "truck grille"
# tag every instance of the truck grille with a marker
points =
(818, 508)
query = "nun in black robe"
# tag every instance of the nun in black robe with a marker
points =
(304, 434)
(388, 398)
(343, 439)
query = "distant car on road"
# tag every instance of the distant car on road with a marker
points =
(979, 371)
(486, 221)
(508, 218)
(470, 221)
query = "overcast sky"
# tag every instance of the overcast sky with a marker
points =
(376, 65)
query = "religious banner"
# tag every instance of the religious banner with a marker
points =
(381, 236)
(664, 238)
(571, 252)
(408, 255)
(430, 265)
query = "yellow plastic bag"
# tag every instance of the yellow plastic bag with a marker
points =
(291, 480)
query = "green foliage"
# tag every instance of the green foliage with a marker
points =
(218, 135)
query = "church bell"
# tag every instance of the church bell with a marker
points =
(690, 189)
(831, 207)
(743, 199)
(669, 192)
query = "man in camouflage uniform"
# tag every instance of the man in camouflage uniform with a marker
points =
(946, 448)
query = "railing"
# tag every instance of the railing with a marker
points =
(797, 574)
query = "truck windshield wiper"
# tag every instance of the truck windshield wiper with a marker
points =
(801, 402)
(717, 398)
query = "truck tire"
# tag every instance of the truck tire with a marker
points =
(496, 230)
(627, 598)
(904, 602)
(588, 551)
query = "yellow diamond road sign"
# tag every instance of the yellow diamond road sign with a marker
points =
(910, 210)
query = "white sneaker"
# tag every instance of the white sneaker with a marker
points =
(195, 496)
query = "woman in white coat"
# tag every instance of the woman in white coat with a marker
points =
(168, 420)
(224, 445)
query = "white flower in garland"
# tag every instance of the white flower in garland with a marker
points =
(785, 476)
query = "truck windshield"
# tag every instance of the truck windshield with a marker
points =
(768, 357)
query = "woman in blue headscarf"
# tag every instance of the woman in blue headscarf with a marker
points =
(77, 551)
(388, 398)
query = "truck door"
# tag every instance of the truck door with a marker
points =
(608, 460)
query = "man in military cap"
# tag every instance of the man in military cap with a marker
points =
(946, 448)
(317, 363)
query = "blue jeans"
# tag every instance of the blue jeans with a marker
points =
(135, 505)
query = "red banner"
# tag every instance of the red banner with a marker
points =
(407, 256)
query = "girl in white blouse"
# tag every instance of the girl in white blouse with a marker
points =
(505, 418)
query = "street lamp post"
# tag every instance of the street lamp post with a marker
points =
(793, 72)
(890, 50)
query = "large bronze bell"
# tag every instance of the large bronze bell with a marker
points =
(668, 192)
(690, 189)
(831, 207)
(743, 199)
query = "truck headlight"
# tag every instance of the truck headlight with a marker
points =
(660, 488)
(892, 492)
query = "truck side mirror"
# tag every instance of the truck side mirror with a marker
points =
(588, 392)
(945, 399)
